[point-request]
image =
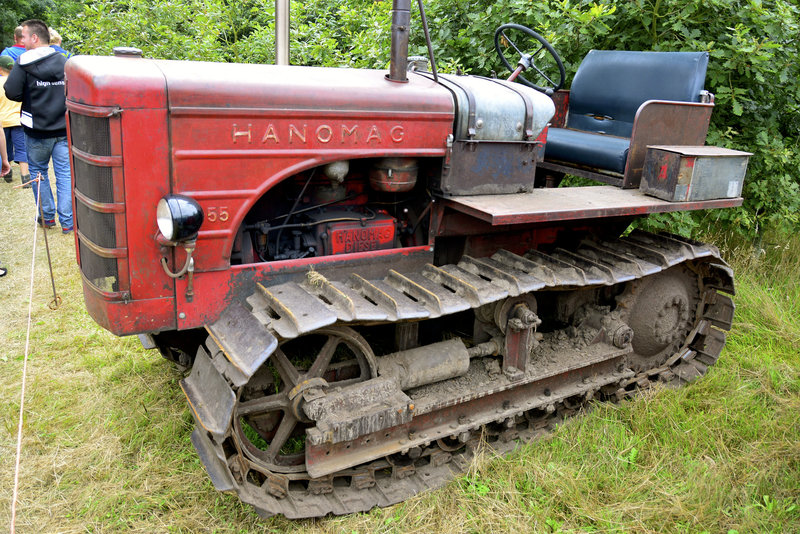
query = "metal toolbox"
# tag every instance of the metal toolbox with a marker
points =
(683, 173)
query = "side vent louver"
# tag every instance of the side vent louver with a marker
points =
(99, 197)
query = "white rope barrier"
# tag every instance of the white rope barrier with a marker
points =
(25, 361)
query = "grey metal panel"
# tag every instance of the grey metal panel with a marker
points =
(435, 297)
(484, 291)
(217, 470)
(397, 305)
(719, 310)
(543, 273)
(690, 247)
(592, 267)
(500, 112)
(210, 397)
(641, 253)
(330, 297)
(512, 280)
(490, 168)
(622, 259)
(718, 178)
(624, 269)
(363, 310)
(672, 254)
(246, 353)
(294, 311)
(563, 273)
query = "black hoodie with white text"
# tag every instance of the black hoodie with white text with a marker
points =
(37, 80)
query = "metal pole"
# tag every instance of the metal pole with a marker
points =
(428, 40)
(282, 18)
(401, 19)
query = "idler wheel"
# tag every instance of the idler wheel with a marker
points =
(268, 423)
(661, 311)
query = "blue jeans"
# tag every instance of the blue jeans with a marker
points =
(39, 153)
(15, 144)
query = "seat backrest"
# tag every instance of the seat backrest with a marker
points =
(610, 85)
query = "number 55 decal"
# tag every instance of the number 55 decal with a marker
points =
(217, 213)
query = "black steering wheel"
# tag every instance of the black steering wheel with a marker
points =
(548, 62)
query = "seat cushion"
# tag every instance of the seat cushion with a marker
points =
(584, 148)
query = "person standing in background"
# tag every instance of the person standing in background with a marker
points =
(9, 121)
(37, 81)
(55, 43)
(15, 50)
(5, 165)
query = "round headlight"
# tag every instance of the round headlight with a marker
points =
(179, 217)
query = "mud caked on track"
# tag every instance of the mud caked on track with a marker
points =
(314, 411)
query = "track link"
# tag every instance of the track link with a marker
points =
(520, 409)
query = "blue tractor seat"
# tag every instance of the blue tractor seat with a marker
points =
(614, 94)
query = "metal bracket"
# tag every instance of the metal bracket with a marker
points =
(520, 339)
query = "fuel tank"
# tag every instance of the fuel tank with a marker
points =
(488, 109)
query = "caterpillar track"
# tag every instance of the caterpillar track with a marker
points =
(332, 397)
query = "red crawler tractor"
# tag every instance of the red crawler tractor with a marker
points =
(371, 273)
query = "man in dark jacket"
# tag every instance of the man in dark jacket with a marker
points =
(38, 82)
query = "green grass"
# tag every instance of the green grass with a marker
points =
(106, 437)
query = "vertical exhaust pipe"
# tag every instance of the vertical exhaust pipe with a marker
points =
(282, 19)
(401, 19)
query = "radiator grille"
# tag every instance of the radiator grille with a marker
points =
(90, 134)
(98, 227)
(102, 272)
(95, 182)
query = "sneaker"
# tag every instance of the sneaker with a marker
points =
(8, 177)
(25, 179)
(48, 223)
(66, 231)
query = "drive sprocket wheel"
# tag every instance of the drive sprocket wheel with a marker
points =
(268, 422)
(661, 310)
